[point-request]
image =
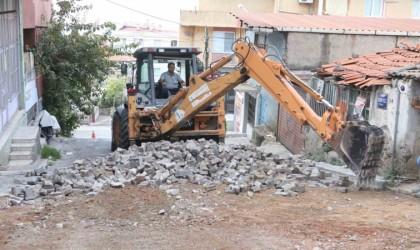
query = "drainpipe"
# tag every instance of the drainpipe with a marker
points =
(397, 115)
(320, 7)
(21, 78)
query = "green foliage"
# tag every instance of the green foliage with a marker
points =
(327, 147)
(335, 161)
(392, 172)
(48, 152)
(114, 94)
(317, 158)
(72, 57)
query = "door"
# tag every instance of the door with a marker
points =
(289, 131)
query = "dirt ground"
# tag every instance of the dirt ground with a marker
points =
(129, 218)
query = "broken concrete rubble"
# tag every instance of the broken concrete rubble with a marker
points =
(243, 168)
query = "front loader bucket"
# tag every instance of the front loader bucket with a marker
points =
(360, 145)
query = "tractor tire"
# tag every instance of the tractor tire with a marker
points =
(120, 130)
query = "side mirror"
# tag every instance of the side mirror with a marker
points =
(124, 68)
(129, 85)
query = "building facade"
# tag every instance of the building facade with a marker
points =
(382, 88)
(20, 87)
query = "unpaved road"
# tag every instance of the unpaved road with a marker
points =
(129, 218)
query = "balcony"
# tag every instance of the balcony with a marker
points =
(34, 11)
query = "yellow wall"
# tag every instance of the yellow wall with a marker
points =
(293, 6)
(207, 18)
(356, 8)
(398, 9)
(232, 5)
(215, 13)
(392, 8)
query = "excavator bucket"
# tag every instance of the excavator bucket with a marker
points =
(360, 146)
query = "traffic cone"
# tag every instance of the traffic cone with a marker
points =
(93, 134)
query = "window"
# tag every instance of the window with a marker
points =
(252, 103)
(222, 41)
(373, 8)
(416, 9)
(260, 40)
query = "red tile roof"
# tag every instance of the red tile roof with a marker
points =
(330, 24)
(372, 69)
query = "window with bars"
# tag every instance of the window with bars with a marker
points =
(340, 95)
(252, 103)
(261, 40)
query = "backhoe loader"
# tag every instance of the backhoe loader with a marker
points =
(197, 110)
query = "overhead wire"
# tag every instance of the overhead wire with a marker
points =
(140, 12)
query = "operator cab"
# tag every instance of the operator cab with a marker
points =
(153, 61)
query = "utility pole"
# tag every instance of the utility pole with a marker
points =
(206, 47)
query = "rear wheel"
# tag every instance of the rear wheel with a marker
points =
(120, 130)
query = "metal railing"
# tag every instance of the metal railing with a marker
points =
(339, 95)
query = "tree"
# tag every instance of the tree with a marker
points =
(114, 93)
(72, 57)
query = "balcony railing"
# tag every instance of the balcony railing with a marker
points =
(30, 75)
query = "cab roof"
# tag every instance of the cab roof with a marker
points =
(166, 51)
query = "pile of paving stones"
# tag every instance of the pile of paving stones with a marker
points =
(243, 168)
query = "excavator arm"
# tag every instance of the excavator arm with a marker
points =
(359, 144)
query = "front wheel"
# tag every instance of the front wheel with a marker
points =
(120, 137)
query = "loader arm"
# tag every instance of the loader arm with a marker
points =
(271, 75)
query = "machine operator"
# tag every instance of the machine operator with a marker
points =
(170, 81)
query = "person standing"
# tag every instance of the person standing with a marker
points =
(170, 81)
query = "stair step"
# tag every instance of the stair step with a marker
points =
(23, 141)
(26, 134)
(21, 155)
(15, 163)
(22, 147)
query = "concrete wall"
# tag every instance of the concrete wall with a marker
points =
(7, 135)
(402, 119)
(306, 51)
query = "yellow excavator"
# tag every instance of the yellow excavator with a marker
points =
(197, 110)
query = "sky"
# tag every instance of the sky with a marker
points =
(118, 11)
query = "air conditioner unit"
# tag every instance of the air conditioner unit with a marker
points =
(306, 1)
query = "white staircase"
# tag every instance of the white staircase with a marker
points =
(25, 147)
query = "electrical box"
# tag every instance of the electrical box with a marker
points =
(306, 1)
